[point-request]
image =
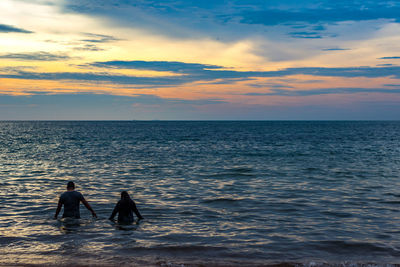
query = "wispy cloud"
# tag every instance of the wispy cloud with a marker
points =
(224, 19)
(8, 28)
(35, 56)
(88, 47)
(392, 85)
(335, 49)
(396, 57)
(309, 35)
(328, 12)
(173, 66)
(203, 71)
(270, 85)
(194, 72)
(99, 38)
(324, 91)
(91, 77)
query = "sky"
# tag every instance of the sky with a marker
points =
(199, 60)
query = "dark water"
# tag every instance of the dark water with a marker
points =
(228, 193)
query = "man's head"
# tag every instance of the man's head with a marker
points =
(70, 185)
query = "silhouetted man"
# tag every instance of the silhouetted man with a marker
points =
(71, 199)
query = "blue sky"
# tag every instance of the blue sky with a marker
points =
(100, 59)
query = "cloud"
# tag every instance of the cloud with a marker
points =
(392, 85)
(99, 38)
(9, 28)
(309, 35)
(367, 72)
(271, 12)
(229, 80)
(16, 69)
(174, 66)
(90, 77)
(269, 85)
(230, 20)
(93, 42)
(217, 72)
(88, 47)
(335, 49)
(325, 91)
(190, 72)
(327, 12)
(193, 72)
(165, 17)
(35, 56)
(389, 57)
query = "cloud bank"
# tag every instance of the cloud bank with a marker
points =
(8, 28)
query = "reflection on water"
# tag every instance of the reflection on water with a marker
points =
(72, 225)
(221, 192)
(126, 226)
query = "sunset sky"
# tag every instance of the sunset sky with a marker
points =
(199, 60)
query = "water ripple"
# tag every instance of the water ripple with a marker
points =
(233, 193)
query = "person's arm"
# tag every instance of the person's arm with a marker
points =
(136, 211)
(58, 209)
(114, 212)
(87, 205)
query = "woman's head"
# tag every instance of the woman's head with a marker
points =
(125, 195)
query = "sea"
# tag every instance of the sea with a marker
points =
(212, 193)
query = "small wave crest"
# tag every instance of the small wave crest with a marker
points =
(220, 200)
(175, 249)
(355, 248)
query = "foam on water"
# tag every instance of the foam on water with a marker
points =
(214, 193)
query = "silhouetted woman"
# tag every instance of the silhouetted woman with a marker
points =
(125, 208)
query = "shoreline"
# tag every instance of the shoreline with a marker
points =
(157, 261)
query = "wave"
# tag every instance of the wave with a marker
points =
(220, 200)
(7, 240)
(173, 249)
(392, 202)
(354, 248)
(196, 262)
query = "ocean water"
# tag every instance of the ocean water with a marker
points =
(212, 193)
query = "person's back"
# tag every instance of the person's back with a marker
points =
(71, 201)
(125, 208)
